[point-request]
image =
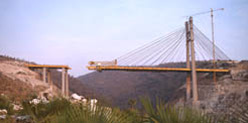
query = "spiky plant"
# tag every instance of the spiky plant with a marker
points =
(162, 113)
(135, 114)
(85, 114)
(62, 111)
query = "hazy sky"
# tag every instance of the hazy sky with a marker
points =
(74, 32)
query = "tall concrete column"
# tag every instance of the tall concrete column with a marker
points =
(63, 82)
(49, 77)
(66, 83)
(193, 66)
(188, 83)
(44, 74)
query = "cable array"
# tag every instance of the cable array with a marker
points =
(171, 48)
(205, 47)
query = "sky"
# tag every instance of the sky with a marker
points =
(74, 32)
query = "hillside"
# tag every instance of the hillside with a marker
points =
(119, 86)
(19, 82)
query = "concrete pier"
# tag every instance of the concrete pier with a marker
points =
(66, 84)
(46, 76)
(63, 81)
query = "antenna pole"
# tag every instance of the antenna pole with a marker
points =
(213, 41)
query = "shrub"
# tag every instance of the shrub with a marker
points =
(43, 110)
(162, 113)
(84, 114)
(5, 103)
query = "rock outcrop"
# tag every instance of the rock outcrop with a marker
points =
(231, 89)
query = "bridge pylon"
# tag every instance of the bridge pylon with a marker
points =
(193, 65)
(188, 83)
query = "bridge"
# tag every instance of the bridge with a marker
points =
(46, 75)
(187, 44)
(153, 69)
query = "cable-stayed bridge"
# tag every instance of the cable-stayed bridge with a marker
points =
(187, 44)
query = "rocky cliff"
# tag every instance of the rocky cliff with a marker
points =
(231, 90)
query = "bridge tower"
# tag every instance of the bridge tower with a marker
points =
(193, 65)
(188, 83)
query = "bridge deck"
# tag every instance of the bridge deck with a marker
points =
(158, 69)
(47, 66)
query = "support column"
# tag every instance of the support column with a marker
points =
(66, 83)
(188, 84)
(44, 74)
(49, 79)
(63, 82)
(193, 66)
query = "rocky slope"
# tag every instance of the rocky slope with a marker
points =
(18, 82)
(232, 89)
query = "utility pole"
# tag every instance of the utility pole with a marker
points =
(193, 66)
(212, 25)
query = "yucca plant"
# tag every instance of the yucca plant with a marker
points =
(162, 113)
(135, 114)
(85, 114)
(62, 111)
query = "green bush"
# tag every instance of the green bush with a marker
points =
(43, 110)
(62, 111)
(84, 114)
(162, 113)
(5, 103)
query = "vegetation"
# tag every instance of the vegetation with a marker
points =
(63, 111)
(5, 103)
(132, 103)
(169, 114)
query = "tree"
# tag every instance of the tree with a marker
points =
(132, 103)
